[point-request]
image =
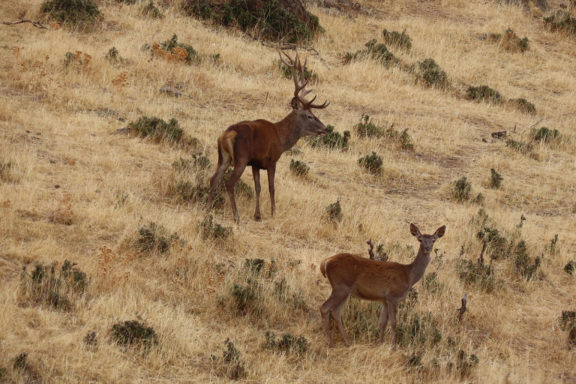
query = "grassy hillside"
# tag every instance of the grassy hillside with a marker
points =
(124, 208)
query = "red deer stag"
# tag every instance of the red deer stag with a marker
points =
(260, 143)
(367, 279)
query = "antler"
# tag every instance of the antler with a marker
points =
(299, 82)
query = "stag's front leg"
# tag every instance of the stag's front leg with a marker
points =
(271, 173)
(256, 174)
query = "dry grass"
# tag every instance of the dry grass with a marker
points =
(72, 188)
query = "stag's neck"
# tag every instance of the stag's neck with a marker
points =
(418, 267)
(288, 132)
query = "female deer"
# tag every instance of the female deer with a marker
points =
(367, 279)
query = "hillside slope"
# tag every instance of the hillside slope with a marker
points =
(73, 188)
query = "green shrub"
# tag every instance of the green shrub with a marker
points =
(400, 40)
(287, 344)
(49, 285)
(157, 129)
(472, 273)
(372, 163)
(525, 266)
(497, 245)
(334, 212)
(151, 11)
(561, 21)
(215, 231)
(192, 57)
(545, 135)
(230, 365)
(570, 267)
(375, 51)
(331, 140)
(153, 238)
(367, 128)
(247, 297)
(495, 179)
(519, 146)
(299, 168)
(309, 75)
(484, 93)
(270, 19)
(432, 75)
(79, 13)
(461, 189)
(133, 333)
(523, 106)
(416, 329)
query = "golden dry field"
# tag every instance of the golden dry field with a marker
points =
(73, 187)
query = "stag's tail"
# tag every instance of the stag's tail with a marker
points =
(323, 267)
(226, 147)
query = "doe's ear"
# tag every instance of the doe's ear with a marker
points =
(440, 232)
(414, 230)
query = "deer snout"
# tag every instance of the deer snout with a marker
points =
(322, 131)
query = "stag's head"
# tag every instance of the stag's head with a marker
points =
(305, 120)
(427, 241)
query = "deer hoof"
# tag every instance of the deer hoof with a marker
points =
(258, 217)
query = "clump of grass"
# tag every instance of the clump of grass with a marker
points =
(525, 266)
(212, 230)
(247, 297)
(198, 161)
(545, 135)
(133, 333)
(523, 105)
(397, 39)
(461, 189)
(286, 294)
(495, 179)
(153, 238)
(497, 245)
(150, 10)
(372, 163)
(362, 319)
(476, 273)
(512, 43)
(7, 174)
(172, 50)
(375, 51)
(287, 344)
(416, 329)
(113, 56)
(561, 21)
(331, 140)
(74, 13)
(367, 128)
(53, 285)
(570, 267)
(466, 363)
(269, 20)
(431, 75)
(299, 168)
(520, 147)
(76, 60)
(334, 212)
(484, 93)
(158, 131)
(230, 365)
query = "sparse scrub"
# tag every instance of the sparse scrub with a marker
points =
(461, 189)
(495, 179)
(375, 51)
(431, 75)
(198, 161)
(287, 344)
(484, 93)
(520, 147)
(397, 39)
(466, 363)
(77, 60)
(230, 365)
(570, 267)
(286, 294)
(523, 106)
(153, 238)
(525, 266)
(133, 333)
(113, 56)
(367, 128)
(545, 135)
(158, 131)
(334, 212)
(372, 163)
(53, 285)
(509, 41)
(212, 230)
(150, 10)
(561, 21)
(75, 13)
(361, 318)
(171, 50)
(299, 168)
(7, 174)
(331, 140)
(416, 329)
(476, 273)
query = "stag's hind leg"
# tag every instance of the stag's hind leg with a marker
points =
(238, 170)
(224, 162)
(256, 174)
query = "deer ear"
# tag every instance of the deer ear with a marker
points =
(414, 230)
(440, 232)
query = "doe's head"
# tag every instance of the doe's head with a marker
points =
(427, 241)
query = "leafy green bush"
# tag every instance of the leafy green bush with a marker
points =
(495, 179)
(432, 75)
(157, 129)
(78, 13)
(484, 93)
(52, 286)
(270, 19)
(299, 168)
(133, 333)
(372, 163)
(331, 140)
(400, 40)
